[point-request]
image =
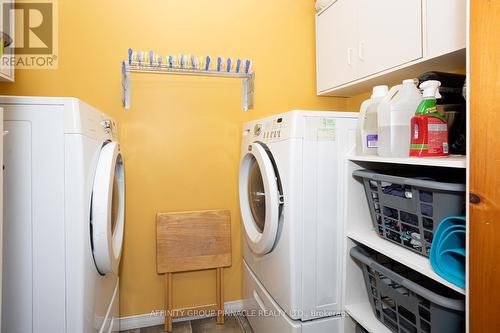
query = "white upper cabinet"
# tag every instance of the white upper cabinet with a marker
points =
(362, 43)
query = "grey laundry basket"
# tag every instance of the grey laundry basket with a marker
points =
(360, 329)
(407, 211)
(406, 301)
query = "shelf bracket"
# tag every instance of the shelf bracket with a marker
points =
(248, 92)
(125, 86)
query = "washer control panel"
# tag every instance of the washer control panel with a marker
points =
(276, 134)
(274, 130)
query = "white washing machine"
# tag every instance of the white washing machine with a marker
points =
(291, 170)
(64, 201)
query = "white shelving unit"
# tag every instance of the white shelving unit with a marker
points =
(447, 162)
(406, 257)
(358, 228)
(362, 313)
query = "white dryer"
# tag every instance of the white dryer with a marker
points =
(292, 166)
(64, 201)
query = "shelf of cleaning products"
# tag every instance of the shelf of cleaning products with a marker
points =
(408, 258)
(127, 69)
(446, 162)
(362, 313)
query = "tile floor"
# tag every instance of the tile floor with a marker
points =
(233, 324)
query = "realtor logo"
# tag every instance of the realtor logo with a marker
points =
(32, 25)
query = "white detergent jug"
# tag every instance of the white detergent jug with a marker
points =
(394, 117)
(367, 131)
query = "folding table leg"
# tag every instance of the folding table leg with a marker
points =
(220, 295)
(168, 302)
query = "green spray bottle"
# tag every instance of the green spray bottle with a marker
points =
(429, 130)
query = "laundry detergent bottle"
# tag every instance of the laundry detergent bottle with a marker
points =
(429, 130)
(367, 131)
(394, 117)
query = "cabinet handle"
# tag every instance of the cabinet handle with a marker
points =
(349, 56)
(361, 51)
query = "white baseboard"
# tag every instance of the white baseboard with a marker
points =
(156, 318)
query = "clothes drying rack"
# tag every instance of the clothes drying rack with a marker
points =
(129, 67)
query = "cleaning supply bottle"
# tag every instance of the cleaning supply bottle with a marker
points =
(394, 117)
(429, 129)
(367, 131)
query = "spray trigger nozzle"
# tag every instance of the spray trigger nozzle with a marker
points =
(430, 89)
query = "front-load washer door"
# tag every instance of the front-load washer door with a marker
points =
(260, 198)
(108, 209)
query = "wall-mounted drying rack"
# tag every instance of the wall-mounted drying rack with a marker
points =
(131, 67)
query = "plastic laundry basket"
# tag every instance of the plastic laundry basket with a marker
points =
(360, 329)
(408, 210)
(406, 301)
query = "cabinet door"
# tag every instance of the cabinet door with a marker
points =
(389, 34)
(335, 42)
(446, 22)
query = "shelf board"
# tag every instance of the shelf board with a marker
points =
(408, 258)
(363, 314)
(447, 162)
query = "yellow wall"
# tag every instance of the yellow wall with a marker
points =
(181, 138)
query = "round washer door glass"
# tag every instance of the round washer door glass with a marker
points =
(259, 199)
(108, 209)
(256, 195)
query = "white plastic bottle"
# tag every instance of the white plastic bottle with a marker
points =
(394, 117)
(367, 131)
